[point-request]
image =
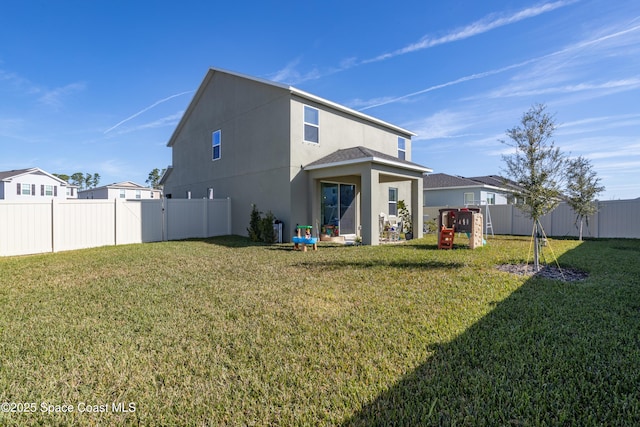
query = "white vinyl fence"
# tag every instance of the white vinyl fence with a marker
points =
(614, 219)
(54, 225)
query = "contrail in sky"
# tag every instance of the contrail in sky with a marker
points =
(155, 104)
(503, 69)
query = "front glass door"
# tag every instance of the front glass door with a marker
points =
(338, 209)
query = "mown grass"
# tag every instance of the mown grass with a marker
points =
(222, 332)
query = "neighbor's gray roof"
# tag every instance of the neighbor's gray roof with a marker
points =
(7, 175)
(12, 173)
(442, 180)
(362, 154)
(495, 180)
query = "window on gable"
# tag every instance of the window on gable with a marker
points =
(48, 190)
(216, 145)
(402, 151)
(311, 125)
(26, 189)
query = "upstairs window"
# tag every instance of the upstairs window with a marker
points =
(402, 151)
(123, 193)
(216, 145)
(469, 199)
(138, 194)
(311, 125)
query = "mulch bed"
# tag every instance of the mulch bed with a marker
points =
(546, 271)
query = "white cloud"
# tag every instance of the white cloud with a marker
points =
(604, 88)
(476, 28)
(291, 75)
(533, 83)
(443, 124)
(54, 98)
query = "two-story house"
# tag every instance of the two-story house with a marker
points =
(34, 184)
(308, 160)
(441, 189)
(126, 190)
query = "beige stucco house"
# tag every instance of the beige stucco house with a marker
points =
(308, 160)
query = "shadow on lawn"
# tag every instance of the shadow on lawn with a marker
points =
(551, 353)
(342, 264)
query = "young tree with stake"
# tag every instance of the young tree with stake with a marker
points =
(537, 166)
(582, 188)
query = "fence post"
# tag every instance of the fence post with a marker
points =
(53, 225)
(115, 222)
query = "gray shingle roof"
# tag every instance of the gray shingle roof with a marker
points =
(354, 154)
(442, 180)
(12, 173)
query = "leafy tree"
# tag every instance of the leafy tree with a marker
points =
(62, 176)
(78, 179)
(583, 186)
(91, 181)
(154, 178)
(85, 181)
(537, 166)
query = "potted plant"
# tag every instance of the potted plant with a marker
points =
(407, 222)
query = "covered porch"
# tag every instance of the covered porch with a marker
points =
(349, 189)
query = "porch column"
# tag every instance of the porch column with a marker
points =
(370, 206)
(417, 211)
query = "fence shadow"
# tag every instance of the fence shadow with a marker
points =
(552, 353)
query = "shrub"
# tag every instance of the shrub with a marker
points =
(266, 228)
(255, 224)
(261, 228)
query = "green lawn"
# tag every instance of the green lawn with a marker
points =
(223, 332)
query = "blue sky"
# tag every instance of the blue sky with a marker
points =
(99, 86)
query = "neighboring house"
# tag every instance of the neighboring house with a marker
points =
(308, 160)
(126, 190)
(34, 184)
(447, 190)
